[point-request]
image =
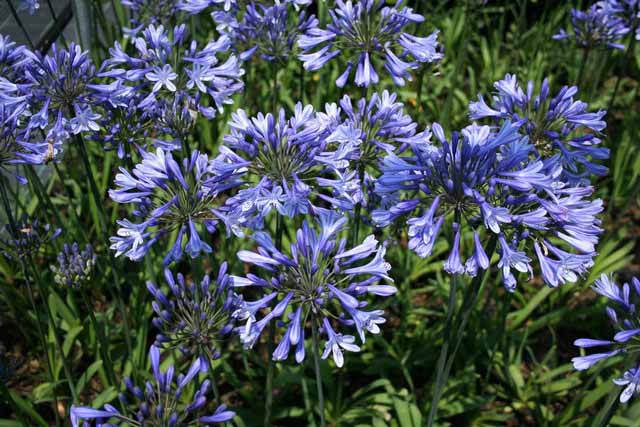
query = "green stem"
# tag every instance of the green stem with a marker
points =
(461, 319)
(627, 57)
(56, 339)
(316, 366)
(307, 402)
(583, 63)
(102, 339)
(101, 216)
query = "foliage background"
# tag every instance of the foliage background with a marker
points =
(514, 365)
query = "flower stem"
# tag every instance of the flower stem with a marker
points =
(445, 361)
(101, 215)
(627, 57)
(104, 346)
(65, 365)
(316, 365)
(583, 63)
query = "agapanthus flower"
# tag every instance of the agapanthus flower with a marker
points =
(75, 267)
(626, 10)
(164, 401)
(563, 130)
(25, 240)
(30, 5)
(274, 160)
(171, 198)
(268, 31)
(484, 182)
(194, 317)
(164, 12)
(163, 65)
(625, 318)
(595, 27)
(370, 35)
(61, 93)
(13, 61)
(354, 137)
(319, 280)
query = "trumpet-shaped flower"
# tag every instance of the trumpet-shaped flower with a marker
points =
(624, 316)
(562, 130)
(371, 36)
(164, 401)
(482, 179)
(317, 279)
(171, 198)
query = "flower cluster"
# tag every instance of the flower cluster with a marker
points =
(320, 280)
(167, 77)
(371, 35)
(194, 318)
(162, 402)
(595, 27)
(625, 319)
(562, 130)
(354, 137)
(273, 159)
(270, 32)
(171, 198)
(75, 267)
(485, 179)
(628, 11)
(57, 95)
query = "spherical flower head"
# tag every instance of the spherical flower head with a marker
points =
(75, 267)
(486, 183)
(316, 280)
(371, 36)
(626, 341)
(354, 137)
(60, 94)
(194, 317)
(24, 239)
(268, 31)
(164, 401)
(273, 158)
(171, 198)
(161, 65)
(563, 131)
(596, 27)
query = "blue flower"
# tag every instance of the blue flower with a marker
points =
(31, 5)
(319, 279)
(194, 317)
(161, 66)
(624, 317)
(27, 238)
(595, 27)
(273, 158)
(354, 136)
(562, 130)
(75, 267)
(369, 34)
(270, 32)
(163, 401)
(485, 182)
(171, 198)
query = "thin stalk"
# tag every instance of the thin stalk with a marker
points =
(41, 194)
(583, 63)
(102, 339)
(307, 402)
(627, 57)
(268, 401)
(14, 13)
(461, 319)
(438, 386)
(316, 366)
(69, 195)
(102, 215)
(56, 339)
